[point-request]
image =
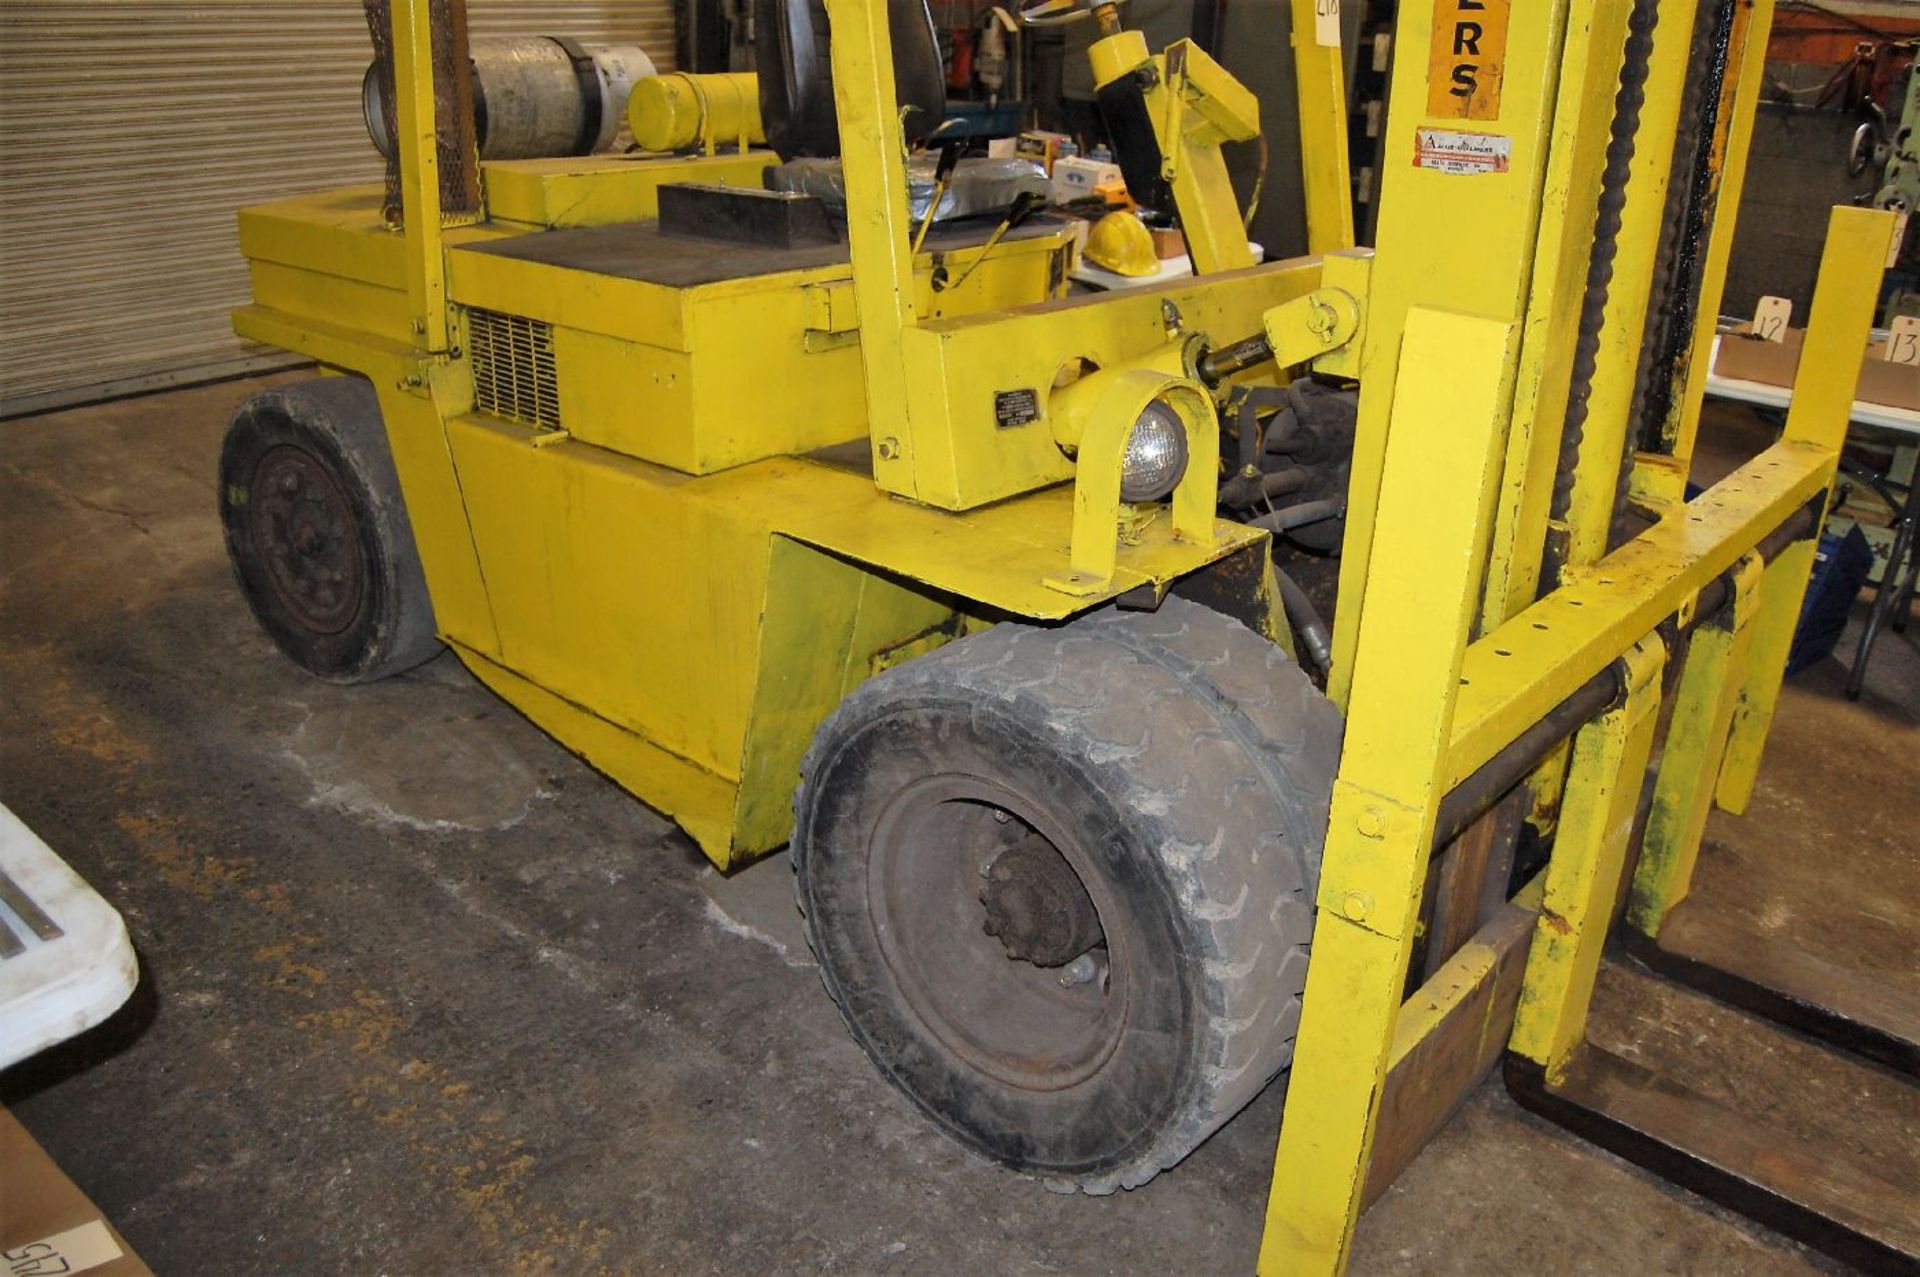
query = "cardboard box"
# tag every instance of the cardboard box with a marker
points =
(1745, 357)
(47, 1225)
(1168, 242)
(1077, 177)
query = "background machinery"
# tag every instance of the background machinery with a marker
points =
(813, 516)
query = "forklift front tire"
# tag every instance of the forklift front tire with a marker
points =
(318, 535)
(1060, 882)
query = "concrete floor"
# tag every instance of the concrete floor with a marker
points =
(424, 993)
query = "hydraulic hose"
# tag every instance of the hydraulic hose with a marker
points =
(1299, 516)
(1306, 622)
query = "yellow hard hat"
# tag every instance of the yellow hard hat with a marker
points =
(1120, 242)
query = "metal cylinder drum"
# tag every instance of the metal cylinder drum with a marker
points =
(679, 112)
(536, 96)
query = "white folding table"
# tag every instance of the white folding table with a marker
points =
(1893, 600)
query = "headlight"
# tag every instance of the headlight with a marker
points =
(1156, 454)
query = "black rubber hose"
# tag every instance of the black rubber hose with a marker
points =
(1282, 482)
(1247, 422)
(1299, 516)
(1306, 622)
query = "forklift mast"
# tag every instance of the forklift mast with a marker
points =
(1523, 578)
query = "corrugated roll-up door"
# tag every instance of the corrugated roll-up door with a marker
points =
(131, 131)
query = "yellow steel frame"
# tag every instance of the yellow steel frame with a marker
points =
(1437, 491)
(1484, 276)
(1590, 514)
(1450, 655)
(420, 171)
(930, 382)
(1590, 850)
(1429, 707)
(1827, 376)
(1320, 80)
(1195, 105)
(1662, 475)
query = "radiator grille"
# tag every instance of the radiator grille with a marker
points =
(513, 368)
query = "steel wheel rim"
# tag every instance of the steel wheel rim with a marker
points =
(301, 530)
(1013, 1021)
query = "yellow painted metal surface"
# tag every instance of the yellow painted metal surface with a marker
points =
(598, 190)
(666, 590)
(1590, 71)
(681, 110)
(1782, 591)
(1350, 270)
(1449, 991)
(1467, 59)
(949, 449)
(1446, 239)
(873, 164)
(1710, 676)
(1539, 657)
(1622, 335)
(1426, 707)
(690, 614)
(674, 375)
(934, 386)
(1320, 97)
(1111, 401)
(826, 626)
(1113, 56)
(678, 375)
(1437, 490)
(699, 801)
(1609, 763)
(667, 622)
(1310, 329)
(1664, 477)
(415, 124)
(340, 233)
(1195, 106)
(1858, 241)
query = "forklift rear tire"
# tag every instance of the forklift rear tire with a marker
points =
(318, 534)
(1060, 882)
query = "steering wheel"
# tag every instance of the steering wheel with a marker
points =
(1058, 13)
(1866, 151)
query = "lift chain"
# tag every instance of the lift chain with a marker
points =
(1628, 100)
(1668, 337)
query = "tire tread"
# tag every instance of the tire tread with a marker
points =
(1247, 825)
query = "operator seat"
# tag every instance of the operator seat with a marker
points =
(796, 76)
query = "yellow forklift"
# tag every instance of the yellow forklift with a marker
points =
(790, 486)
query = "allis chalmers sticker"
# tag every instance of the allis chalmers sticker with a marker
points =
(1468, 61)
(1451, 151)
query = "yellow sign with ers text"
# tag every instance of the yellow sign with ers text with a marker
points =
(1468, 62)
